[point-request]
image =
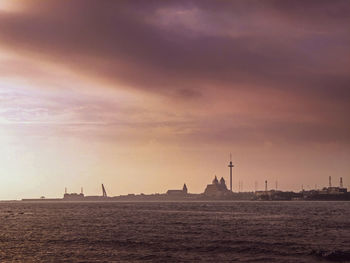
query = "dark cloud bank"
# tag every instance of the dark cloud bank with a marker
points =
(182, 49)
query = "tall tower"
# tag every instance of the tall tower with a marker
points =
(341, 182)
(330, 181)
(230, 165)
(265, 185)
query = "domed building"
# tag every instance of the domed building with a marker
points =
(217, 189)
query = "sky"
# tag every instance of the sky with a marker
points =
(145, 96)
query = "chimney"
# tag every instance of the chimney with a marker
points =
(265, 185)
(341, 182)
(330, 181)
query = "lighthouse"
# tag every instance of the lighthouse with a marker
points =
(230, 165)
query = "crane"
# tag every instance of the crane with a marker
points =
(104, 193)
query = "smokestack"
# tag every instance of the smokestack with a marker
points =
(330, 181)
(265, 185)
(341, 182)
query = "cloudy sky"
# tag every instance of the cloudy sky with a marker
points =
(146, 95)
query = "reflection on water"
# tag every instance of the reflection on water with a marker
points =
(170, 232)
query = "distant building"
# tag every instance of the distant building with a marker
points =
(217, 189)
(333, 190)
(275, 195)
(73, 196)
(330, 192)
(182, 192)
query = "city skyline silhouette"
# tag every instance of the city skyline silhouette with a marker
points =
(146, 96)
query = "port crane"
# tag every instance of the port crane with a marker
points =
(104, 193)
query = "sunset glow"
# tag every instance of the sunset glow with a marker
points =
(145, 96)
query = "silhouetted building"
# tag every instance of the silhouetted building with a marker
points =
(73, 197)
(276, 195)
(178, 192)
(333, 190)
(328, 193)
(217, 189)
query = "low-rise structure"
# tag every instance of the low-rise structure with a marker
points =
(182, 192)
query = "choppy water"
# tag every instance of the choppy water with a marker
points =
(175, 232)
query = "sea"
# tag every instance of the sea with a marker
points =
(244, 231)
